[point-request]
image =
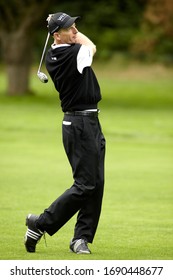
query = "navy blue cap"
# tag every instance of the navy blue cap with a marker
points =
(60, 20)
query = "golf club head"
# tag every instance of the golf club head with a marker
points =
(43, 78)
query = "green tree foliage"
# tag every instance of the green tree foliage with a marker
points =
(18, 25)
(143, 28)
(155, 38)
(111, 24)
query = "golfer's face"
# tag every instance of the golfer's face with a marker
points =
(68, 35)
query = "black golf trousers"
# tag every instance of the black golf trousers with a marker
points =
(84, 144)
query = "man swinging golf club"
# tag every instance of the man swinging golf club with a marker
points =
(68, 62)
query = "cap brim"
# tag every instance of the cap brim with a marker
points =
(70, 22)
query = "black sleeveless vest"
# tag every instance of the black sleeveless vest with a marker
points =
(76, 91)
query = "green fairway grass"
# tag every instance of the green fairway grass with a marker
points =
(137, 215)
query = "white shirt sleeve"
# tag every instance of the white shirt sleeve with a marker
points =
(84, 58)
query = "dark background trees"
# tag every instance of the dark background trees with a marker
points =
(138, 28)
(154, 39)
(19, 21)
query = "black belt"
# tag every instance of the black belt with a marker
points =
(83, 113)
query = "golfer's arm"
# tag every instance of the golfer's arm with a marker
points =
(84, 40)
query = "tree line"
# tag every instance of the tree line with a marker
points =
(139, 28)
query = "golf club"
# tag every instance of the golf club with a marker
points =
(42, 76)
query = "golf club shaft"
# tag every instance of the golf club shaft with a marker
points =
(47, 39)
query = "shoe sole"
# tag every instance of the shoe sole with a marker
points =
(80, 252)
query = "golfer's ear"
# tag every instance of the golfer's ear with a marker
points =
(57, 36)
